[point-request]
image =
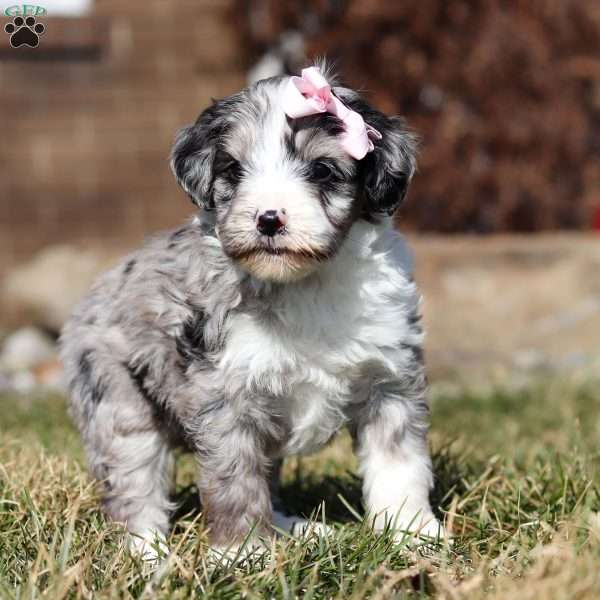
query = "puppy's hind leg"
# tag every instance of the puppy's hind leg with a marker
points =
(126, 449)
(138, 482)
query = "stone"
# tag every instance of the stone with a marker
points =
(44, 290)
(25, 349)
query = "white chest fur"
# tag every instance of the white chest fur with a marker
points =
(325, 332)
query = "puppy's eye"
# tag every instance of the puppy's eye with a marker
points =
(319, 171)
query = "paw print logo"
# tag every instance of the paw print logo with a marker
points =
(24, 32)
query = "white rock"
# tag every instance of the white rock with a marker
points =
(25, 349)
(45, 289)
(23, 382)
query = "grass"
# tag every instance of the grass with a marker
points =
(518, 485)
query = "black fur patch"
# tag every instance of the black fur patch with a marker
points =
(385, 172)
(415, 351)
(289, 140)
(140, 377)
(326, 122)
(227, 168)
(316, 124)
(129, 266)
(93, 387)
(190, 343)
(176, 237)
(195, 147)
(414, 320)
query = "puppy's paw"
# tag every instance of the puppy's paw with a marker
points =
(299, 527)
(236, 554)
(414, 528)
(149, 545)
(425, 532)
(429, 530)
(304, 528)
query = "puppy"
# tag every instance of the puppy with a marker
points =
(279, 315)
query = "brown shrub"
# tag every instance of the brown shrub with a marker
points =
(505, 95)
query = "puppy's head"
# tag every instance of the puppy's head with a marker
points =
(284, 191)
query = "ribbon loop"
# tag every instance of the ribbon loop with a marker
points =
(311, 94)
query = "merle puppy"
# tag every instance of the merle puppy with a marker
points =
(279, 315)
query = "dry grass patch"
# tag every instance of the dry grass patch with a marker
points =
(519, 488)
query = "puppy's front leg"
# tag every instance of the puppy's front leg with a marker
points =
(233, 482)
(395, 462)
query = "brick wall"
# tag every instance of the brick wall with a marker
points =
(88, 117)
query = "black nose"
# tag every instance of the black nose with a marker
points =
(270, 222)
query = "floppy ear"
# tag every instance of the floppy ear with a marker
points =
(193, 153)
(387, 171)
(389, 168)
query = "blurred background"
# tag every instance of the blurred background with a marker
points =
(503, 215)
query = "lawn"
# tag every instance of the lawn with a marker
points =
(517, 484)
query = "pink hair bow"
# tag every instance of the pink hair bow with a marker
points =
(311, 94)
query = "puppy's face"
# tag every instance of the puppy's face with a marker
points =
(284, 191)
